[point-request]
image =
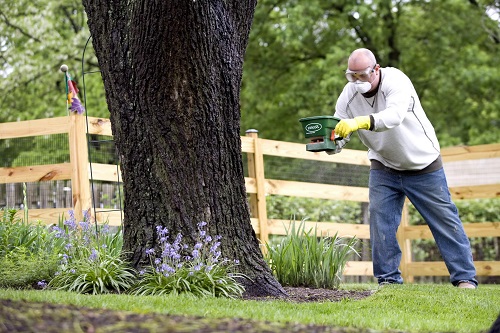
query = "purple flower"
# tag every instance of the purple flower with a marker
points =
(59, 233)
(166, 269)
(64, 259)
(42, 284)
(84, 225)
(93, 256)
(178, 239)
(214, 247)
(161, 231)
(71, 224)
(86, 215)
(150, 251)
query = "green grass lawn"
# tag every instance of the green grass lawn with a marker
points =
(408, 308)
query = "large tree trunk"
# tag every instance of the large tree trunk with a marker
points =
(172, 73)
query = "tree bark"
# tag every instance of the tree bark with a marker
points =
(172, 73)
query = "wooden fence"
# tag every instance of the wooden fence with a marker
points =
(258, 187)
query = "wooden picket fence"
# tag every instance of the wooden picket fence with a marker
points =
(258, 187)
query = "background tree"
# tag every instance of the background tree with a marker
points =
(36, 38)
(172, 73)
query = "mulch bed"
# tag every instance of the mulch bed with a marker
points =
(301, 295)
(21, 316)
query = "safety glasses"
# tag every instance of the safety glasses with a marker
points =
(362, 76)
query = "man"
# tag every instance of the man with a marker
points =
(383, 106)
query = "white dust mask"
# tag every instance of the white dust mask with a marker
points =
(362, 86)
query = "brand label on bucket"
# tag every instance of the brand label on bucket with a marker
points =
(313, 128)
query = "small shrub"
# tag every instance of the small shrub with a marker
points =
(22, 269)
(303, 258)
(28, 251)
(90, 262)
(198, 271)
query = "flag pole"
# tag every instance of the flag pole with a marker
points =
(64, 69)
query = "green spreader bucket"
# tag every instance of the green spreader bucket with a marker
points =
(320, 130)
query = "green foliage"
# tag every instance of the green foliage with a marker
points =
(199, 272)
(49, 149)
(38, 36)
(90, 262)
(22, 269)
(15, 233)
(319, 210)
(27, 251)
(304, 258)
(96, 273)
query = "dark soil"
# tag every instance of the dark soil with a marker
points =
(26, 317)
(300, 295)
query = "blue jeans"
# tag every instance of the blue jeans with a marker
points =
(430, 195)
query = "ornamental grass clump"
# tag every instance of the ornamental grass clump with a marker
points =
(199, 270)
(90, 262)
(304, 258)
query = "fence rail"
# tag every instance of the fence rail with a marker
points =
(258, 187)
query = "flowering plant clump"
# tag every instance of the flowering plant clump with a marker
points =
(90, 261)
(200, 271)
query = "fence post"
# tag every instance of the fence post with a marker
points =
(258, 207)
(78, 154)
(405, 244)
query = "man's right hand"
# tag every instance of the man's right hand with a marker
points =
(347, 126)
